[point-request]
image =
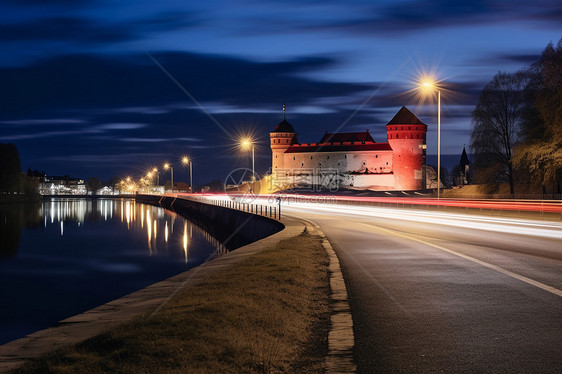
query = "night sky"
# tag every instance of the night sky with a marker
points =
(110, 88)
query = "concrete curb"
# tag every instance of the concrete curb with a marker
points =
(340, 338)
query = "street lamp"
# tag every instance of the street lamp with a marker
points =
(428, 84)
(246, 144)
(187, 161)
(166, 167)
(155, 171)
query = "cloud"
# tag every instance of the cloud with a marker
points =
(503, 58)
(44, 121)
(411, 16)
(121, 126)
(87, 81)
(168, 21)
(106, 158)
(158, 140)
(66, 29)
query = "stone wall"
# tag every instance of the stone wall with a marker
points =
(236, 227)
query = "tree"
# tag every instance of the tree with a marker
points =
(497, 121)
(10, 168)
(541, 148)
(93, 184)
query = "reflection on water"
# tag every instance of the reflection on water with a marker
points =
(77, 212)
(65, 256)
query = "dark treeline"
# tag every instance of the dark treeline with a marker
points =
(517, 134)
(13, 184)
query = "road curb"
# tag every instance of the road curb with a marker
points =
(341, 339)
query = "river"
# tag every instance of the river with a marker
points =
(62, 257)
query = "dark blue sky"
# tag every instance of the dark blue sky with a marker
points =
(109, 88)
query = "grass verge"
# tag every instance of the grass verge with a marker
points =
(270, 313)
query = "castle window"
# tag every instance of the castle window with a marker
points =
(409, 127)
(376, 156)
(338, 164)
(320, 164)
(344, 156)
(327, 158)
(293, 158)
(417, 136)
(302, 163)
(275, 156)
(311, 157)
(387, 163)
(397, 136)
(287, 141)
(363, 163)
(401, 127)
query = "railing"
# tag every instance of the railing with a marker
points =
(255, 207)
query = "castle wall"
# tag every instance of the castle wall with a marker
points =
(371, 162)
(376, 182)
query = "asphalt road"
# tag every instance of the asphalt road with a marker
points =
(433, 292)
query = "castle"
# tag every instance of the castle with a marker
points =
(352, 159)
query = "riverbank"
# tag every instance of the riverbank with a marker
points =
(270, 312)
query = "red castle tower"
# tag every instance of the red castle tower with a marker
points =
(406, 135)
(282, 137)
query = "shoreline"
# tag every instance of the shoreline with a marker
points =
(104, 317)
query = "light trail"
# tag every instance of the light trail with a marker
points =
(523, 227)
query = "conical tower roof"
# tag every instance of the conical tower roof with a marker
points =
(405, 117)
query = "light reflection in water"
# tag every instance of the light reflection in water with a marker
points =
(74, 212)
(149, 230)
(185, 240)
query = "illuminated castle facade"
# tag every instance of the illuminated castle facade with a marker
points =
(352, 159)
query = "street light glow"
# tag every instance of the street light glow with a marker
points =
(246, 143)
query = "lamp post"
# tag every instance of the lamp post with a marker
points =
(187, 161)
(431, 85)
(150, 181)
(247, 143)
(155, 171)
(166, 167)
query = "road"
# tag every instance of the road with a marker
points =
(437, 292)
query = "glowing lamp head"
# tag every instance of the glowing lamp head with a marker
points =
(166, 166)
(246, 143)
(149, 174)
(185, 160)
(155, 170)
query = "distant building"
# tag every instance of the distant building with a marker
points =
(352, 159)
(56, 185)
